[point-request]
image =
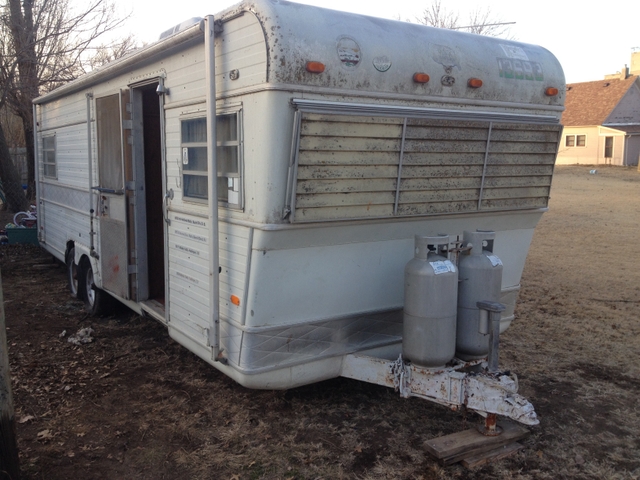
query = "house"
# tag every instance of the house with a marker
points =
(602, 120)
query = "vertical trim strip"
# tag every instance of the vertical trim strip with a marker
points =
(484, 168)
(212, 181)
(36, 174)
(289, 200)
(294, 174)
(400, 161)
(92, 232)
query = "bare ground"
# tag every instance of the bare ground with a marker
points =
(135, 405)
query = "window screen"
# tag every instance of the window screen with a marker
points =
(49, 156)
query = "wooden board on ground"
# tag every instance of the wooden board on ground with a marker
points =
(460, 445)
(492, 455)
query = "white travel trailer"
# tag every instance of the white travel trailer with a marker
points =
(339, 137)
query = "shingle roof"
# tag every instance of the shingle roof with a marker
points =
(590, 103)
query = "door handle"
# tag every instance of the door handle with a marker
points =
(165, 205)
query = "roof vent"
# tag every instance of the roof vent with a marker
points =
(607, 84)
(181, 26)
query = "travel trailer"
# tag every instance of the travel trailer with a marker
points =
(338, 139)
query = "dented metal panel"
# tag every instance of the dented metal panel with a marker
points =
(349, 166)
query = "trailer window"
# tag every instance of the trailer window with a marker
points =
(49, 156)
(194, 159)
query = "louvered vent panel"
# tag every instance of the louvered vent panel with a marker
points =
(348, 166)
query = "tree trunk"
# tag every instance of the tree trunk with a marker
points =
(9, 461)
(23, 33)
(11, 185)
(31, 162)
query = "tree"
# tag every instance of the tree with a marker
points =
(480, 21)
(46, 43)
(11, 184)
(107, 53)
(14, 197)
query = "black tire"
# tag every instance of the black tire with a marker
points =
(97, 302)
(73, 274)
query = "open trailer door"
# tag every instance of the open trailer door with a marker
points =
(113, 125)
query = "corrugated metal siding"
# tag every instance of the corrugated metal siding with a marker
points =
(189, 273)
(349, 166)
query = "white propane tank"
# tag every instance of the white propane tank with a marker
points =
(430, 293)
(480, 274)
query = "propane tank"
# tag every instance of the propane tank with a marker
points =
(430, 292)
(480, 274)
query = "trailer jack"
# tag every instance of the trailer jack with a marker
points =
(460, 385)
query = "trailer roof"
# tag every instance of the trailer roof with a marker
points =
(362, 53)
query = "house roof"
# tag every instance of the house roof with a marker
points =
(590, 103)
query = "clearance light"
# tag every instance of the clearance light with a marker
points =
(551, 92)
(315, 67)
(420, 77)
(235, 300)
(474, 83)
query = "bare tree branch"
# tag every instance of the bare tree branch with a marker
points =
(480, 21)
(46, 43)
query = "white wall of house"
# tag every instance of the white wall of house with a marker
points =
(592, 152)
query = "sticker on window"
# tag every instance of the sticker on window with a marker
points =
(185, 156)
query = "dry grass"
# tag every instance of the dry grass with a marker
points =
(138, 406)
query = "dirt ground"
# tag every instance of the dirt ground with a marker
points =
(135, 405)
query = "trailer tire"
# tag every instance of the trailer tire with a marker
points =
(97, 302)
(73, 274)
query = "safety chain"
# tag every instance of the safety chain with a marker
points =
(401, 377)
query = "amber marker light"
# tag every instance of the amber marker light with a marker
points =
(551, 92)
(315, 67)
(474, 83)
(235, 300)
(420, 77)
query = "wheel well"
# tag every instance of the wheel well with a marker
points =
(70, 245)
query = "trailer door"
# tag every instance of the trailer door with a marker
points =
(113, 124)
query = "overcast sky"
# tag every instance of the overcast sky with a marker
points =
(589, 41)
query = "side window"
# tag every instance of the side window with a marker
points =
(49, 156)
(195, 169)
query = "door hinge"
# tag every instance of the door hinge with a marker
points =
(132, 269)
(127, 124)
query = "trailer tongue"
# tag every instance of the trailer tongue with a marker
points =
(455, 387)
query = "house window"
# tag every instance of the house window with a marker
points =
(194, 159)
(575, 141)
(49, 156)
(608, 147)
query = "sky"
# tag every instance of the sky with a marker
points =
(588, 42)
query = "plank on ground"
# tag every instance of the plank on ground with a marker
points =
(492, 455)
(457, 446)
